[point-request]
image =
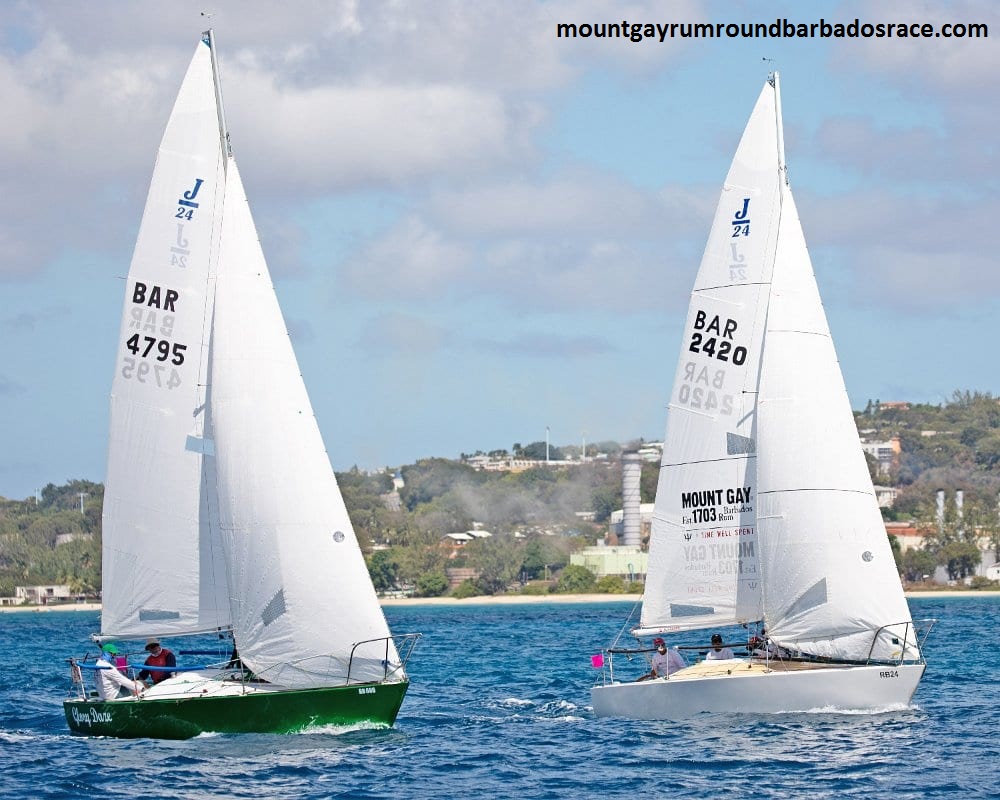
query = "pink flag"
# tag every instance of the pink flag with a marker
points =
(597, 661)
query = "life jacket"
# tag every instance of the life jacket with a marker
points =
(159, 661)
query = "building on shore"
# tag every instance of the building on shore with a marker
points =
(628, 563)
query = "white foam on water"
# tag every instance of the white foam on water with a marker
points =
(336, 729)
(12, 737)
(516, 702)
(889, 708)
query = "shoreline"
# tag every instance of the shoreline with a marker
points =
(497, 600)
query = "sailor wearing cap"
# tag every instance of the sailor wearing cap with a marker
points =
(110, 682)
(158, 657)
(718, 652)
(664, 662)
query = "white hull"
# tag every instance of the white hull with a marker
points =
(741, 687)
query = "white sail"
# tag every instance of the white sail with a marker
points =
(703, 545)
(301, 594)
(162, 568)
(830, 579)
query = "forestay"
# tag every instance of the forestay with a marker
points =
(703, 549)
(162, 567)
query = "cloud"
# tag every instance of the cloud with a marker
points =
(403, 335)
(565, 205)
(916, 154)
(959, 66)
(91, 95)
(917, 253)
(311, 141)
(334, 96)
(547, 345)
(949, 83)
(411, 260)
(585, 242)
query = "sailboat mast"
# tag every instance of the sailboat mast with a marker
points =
(782, 167)
(217, 79)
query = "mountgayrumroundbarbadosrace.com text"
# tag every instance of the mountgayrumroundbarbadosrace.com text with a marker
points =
(779, 29)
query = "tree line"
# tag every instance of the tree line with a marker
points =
(533, 515)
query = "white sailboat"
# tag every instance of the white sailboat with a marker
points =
(221, 512)
(765, 512)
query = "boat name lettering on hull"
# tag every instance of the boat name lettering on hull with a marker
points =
(889, 673)
(83, 718)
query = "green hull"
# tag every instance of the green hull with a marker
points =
(262, 712)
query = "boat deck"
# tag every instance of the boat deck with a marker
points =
(740, 666)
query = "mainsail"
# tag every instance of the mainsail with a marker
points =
(163, 570)
(703, 547)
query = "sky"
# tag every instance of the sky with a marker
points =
(478, 230)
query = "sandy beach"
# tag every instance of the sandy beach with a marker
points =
(487, 600)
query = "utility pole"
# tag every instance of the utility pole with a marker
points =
(82, 495)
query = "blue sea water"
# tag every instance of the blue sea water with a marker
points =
(499, 707)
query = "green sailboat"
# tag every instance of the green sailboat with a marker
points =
(222, 514)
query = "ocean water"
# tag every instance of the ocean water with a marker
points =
(499, 707)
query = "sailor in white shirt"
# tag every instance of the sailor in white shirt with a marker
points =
(110, 682)
(718, 652)
(664, 662)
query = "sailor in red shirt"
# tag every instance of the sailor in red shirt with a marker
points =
(158, 657)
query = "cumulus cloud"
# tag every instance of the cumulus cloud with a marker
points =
(314, 140)
(958, 65)
(915, 154)
(912, 252)
(410, 260)
(90, 96)
(583, 243)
